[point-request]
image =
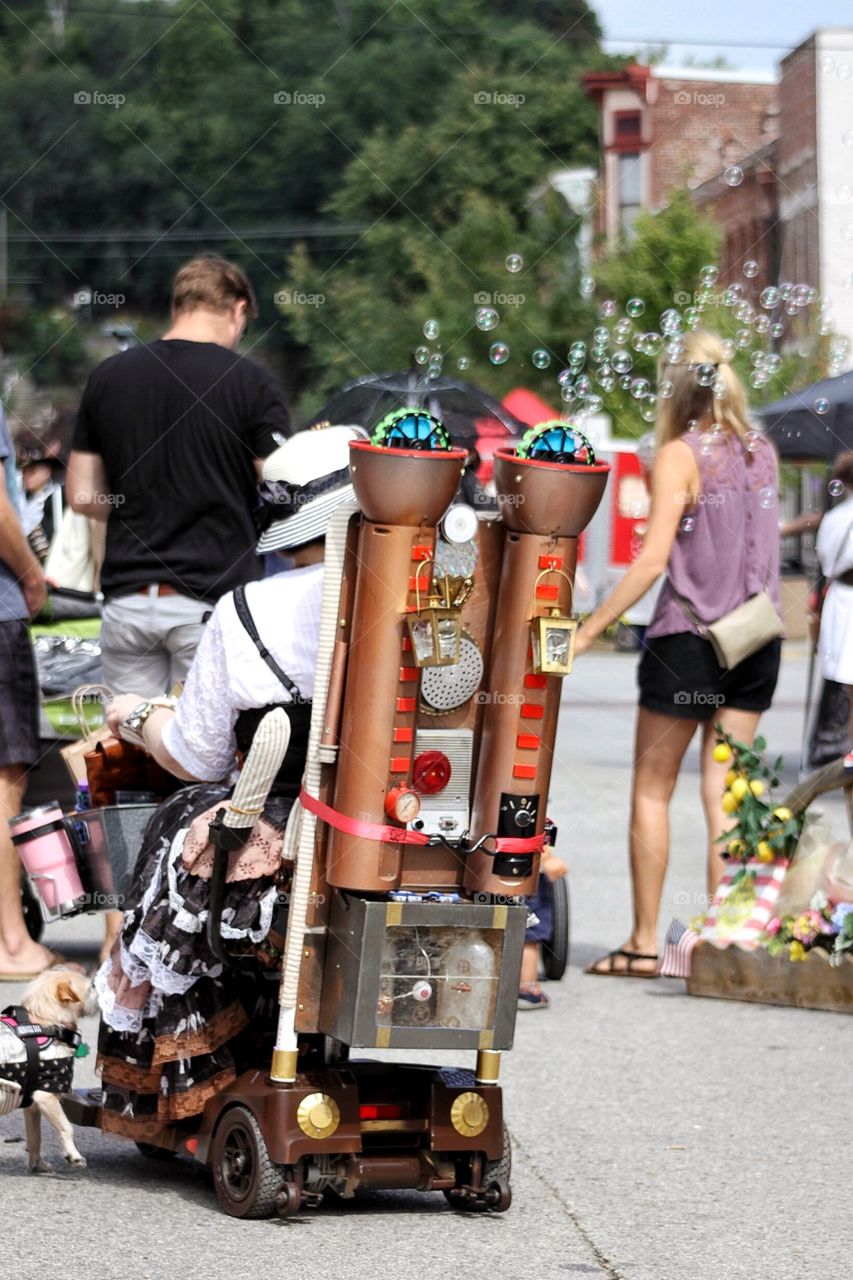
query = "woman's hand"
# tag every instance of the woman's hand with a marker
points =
(120, 708)
(583, 640)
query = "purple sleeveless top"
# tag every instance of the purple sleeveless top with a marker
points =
(727, 546)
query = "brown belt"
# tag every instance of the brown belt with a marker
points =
(846, 579)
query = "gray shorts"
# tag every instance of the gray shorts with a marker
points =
(148, 641)
(19, 695)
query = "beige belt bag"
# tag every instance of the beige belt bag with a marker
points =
(741, 633)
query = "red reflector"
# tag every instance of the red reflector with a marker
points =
(380, 1111)
(421, 552)
(530, 711)
(406, 704)
(408, 674)
(532, 681)
(524, 771)
(550, 562)
(191, 1145)
(545, 591)
(399, 764)
(430, 772)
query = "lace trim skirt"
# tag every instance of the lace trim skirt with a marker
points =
(172, 1016)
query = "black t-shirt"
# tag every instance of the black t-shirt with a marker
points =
(178, 425)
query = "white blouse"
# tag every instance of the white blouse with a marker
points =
(834, 543)
(228, 675)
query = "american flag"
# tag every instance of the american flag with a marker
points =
(677, 951)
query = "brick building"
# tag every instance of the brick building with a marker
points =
(769, 158)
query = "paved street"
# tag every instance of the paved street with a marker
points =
(656, 1137)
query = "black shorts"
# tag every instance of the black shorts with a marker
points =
(19, 695)
(680, 676)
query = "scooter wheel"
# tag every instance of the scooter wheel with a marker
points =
(246, 1180)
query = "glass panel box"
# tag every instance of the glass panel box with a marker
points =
(424, 975)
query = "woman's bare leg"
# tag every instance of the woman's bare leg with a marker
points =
(741, 725)
(660, 744)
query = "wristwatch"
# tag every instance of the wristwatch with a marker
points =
(130, 728)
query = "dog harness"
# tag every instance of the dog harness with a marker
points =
(53, 1075)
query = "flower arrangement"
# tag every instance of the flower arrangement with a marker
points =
(762, 831)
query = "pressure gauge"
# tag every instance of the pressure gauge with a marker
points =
(459, 524)
(402, 804)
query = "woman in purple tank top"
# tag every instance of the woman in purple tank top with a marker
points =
(713, 530)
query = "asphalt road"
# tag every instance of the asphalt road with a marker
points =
(656, 1137)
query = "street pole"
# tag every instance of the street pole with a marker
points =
(4, 256)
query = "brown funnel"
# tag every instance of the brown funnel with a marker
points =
(551, 498)
(404, 486)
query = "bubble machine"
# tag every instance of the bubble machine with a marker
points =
(444, 640)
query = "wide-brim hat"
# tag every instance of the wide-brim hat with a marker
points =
(306, 480)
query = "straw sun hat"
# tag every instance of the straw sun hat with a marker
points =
(304, 482)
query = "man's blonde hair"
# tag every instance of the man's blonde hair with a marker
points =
(211, 282)
(690, 401)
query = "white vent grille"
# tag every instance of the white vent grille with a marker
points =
(447, 814)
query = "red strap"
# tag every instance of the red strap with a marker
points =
(402, 835)
(355, 827)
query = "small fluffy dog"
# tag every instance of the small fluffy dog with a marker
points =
(36, 1062)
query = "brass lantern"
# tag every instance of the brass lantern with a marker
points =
(552, 636)
(435, 628)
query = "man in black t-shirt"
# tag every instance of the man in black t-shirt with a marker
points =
(167, 450)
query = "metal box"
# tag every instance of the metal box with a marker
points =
(422, 975)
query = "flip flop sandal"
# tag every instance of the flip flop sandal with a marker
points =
(628, 971)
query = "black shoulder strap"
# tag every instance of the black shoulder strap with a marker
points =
(242, 607)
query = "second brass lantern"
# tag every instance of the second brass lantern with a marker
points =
(552, 637)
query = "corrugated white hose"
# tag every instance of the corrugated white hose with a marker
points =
(268, 749)
(302, 825)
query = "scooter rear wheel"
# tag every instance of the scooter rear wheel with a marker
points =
(555, 952)
(246, 1180)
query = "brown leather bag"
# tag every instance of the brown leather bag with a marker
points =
(115, 765)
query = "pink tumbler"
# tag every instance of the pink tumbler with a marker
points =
(45, 849)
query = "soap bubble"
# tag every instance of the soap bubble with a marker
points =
(705, 374)
(431, 330)
(608, 308)
(625, 382)
(733, 176)
(804, 295)
(773, 362)
(769, 297)
(593, 404)
(751, 269)
(638, 342)
(752, 441)
(692, 424)
(564, 377)
(622, 361)
(601, 334)
(777, 329)
(640, 387)
(743, 338)
(622, 332)
(498, 353)
(422, 354)
(692, 317)
(688, 524)
(759, 378)
(486, 318)
(587, 287)
(785, 290)
(729, 348)
(707, 443)
(513, 262)
(577, 353)
(836, 488)
(649, 408)
(670, 321)
(583, 385)
(762, 325)
(463, 362)
(821, 405)
(665, 389)
(742, 311)
(635, 307)
(708, 275)
(652, 343)
(767, 497)
(540, 358)
(733, 294)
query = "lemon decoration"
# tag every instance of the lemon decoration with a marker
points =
(722, 752)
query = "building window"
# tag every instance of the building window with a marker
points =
(629, 188)
(627, 129)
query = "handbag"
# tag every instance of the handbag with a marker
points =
(74, 754)
(740, 633)
(115, 765)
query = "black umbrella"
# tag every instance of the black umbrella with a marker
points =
(800, 431)
(467, 411)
